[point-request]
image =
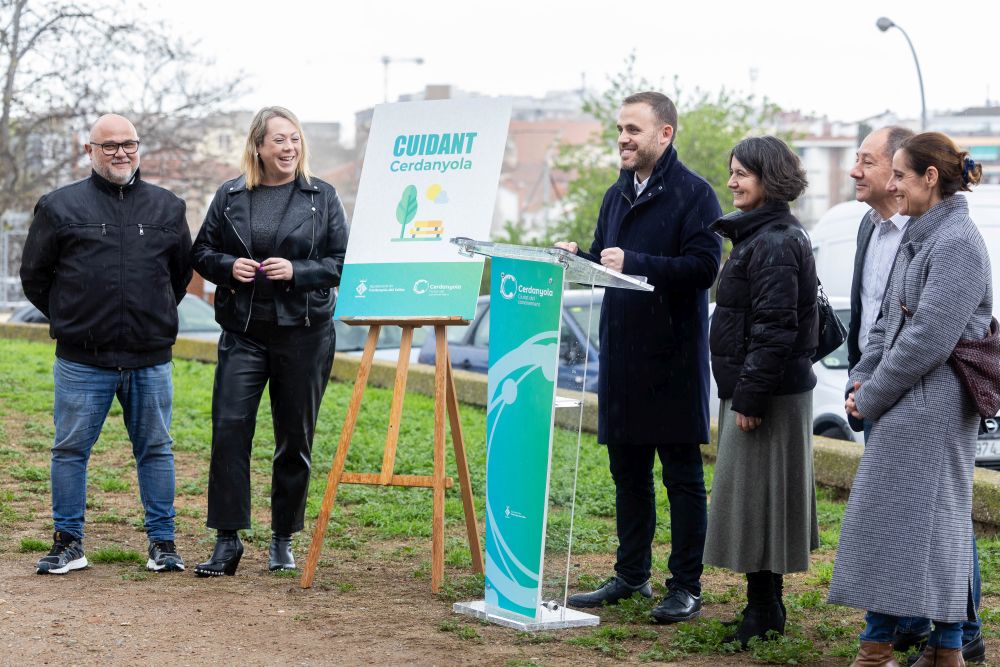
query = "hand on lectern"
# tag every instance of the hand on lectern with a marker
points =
(566, 245)
(613, 258)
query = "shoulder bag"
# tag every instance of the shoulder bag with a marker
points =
(832, 332)
(977, 363)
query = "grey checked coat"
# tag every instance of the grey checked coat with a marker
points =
(906, 540)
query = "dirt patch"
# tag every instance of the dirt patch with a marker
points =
(370, 604)
(358, 612)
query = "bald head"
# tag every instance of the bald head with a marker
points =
(107, 154)
(111, 124)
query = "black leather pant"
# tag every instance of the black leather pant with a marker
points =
(294, 362)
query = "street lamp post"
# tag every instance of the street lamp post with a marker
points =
(884, 24)
(386, 61)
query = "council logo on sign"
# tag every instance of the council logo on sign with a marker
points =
(508, 286)
(361, 288)
(508, 513)
(420, 286)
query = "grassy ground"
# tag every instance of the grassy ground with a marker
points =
(395, 523)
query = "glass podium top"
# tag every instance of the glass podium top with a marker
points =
(578, 270)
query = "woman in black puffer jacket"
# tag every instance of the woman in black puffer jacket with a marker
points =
(764, 331)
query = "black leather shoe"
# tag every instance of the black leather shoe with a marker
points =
(677, 606)
(224, 559)
(280, 553)
(904, 641)
(610, 592)
(973, 652)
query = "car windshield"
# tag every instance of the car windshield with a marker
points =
(581, 314)
(838, 358)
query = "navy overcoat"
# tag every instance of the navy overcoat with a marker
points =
(653, 382)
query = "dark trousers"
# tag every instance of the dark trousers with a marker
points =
(635, 510)
(294, 363)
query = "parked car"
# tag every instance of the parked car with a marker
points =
(469, 346)
(351, 340)
(834, 238)
(195, 318)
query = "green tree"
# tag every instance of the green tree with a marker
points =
(406, 209)
(709, 125)
(64, 62)
(595, 163)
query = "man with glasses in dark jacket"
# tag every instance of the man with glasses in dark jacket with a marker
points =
(106, 260)
(653, 379)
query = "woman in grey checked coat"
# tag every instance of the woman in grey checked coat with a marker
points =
(906, 541)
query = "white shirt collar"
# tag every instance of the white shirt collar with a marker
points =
(639, 185)
(898, 220)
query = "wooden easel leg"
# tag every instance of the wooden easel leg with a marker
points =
(333, 479)
(440, 393)
(465, 484)
(396, 408)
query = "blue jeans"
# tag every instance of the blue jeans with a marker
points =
(881, 627)
(970, 629)
(83, 396)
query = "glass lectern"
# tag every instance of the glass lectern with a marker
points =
(526, 346)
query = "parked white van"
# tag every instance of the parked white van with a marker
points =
(834, 238)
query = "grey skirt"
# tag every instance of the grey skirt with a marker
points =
(762, 514)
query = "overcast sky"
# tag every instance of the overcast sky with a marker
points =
(323, 59)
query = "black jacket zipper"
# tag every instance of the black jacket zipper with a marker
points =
(253, 285)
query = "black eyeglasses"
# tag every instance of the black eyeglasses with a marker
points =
(111, 147)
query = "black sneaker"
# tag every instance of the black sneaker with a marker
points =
(163, 557)
(66, 555)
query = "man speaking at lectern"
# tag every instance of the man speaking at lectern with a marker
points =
(653, 382)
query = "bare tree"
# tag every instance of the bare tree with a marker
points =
(65, 62)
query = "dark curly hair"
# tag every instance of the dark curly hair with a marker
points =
(776, 166)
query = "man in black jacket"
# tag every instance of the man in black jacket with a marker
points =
(106, 260)
(653, 380)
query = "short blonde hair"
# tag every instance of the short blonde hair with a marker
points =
(250, 163)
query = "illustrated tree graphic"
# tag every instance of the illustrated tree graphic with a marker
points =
(406, 209)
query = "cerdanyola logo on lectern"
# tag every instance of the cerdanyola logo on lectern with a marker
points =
(508, 286)
(361, 288)
(420, 286)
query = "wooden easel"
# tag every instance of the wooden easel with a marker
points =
(444, 398)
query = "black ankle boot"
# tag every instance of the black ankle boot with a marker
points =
(779, 591)
(763, 612)
(758, 621)
(225, 557)
(280, 553)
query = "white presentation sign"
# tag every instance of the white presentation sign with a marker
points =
(430, 174)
